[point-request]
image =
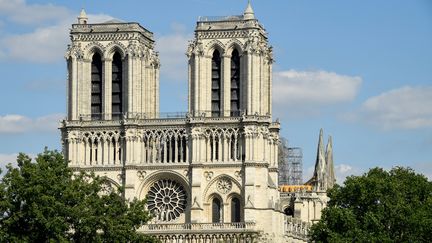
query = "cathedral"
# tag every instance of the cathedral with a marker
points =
(210, 174)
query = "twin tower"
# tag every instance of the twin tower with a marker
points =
(214, 169)
(114, 70)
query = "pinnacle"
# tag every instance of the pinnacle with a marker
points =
(249, 13)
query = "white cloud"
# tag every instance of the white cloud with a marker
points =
(172, 49)
(6, 159)
(344, 170)
(317, 88)
(12, 124)
(44, 44)
(402, 108)
(47, 42)
(19, 11)
(11, 158)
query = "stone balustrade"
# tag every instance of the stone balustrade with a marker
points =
(296, 228)
(228, 227)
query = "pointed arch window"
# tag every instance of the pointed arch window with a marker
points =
(235, 83)
(235, 210)
(117, 84)
(96, 87)
(216, 84)
(216, 211)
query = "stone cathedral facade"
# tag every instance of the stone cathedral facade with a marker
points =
(210, 175)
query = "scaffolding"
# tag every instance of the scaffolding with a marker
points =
(295, 166)
(290, 165)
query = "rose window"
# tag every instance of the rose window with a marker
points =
(166, 200)
(224, 185)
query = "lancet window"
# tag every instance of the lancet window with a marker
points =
(235, 210)
(96, 87)
(216, 85)
(216, 211)
(235, 83)
(117, 83)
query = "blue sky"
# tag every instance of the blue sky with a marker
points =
(361, 70)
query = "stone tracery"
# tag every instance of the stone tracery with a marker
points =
(224, 185)
(166, 200)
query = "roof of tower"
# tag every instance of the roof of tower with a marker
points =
(83, 30)
(239, 23)
(114, 21)
(249, 13)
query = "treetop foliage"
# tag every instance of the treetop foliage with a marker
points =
(380, 206)
(45, 201)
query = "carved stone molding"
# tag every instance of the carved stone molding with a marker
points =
(141, 174)
(208, 175)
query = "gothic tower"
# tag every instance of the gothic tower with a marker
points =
(230, 67)
(113, 71)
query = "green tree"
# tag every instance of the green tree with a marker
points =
(45, 201)
(380, 206)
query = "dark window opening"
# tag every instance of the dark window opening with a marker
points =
(96, 87)
(216, 85)
(117, 83)
(235, 83)
(216, 211)
(289, 211)
(235, 210)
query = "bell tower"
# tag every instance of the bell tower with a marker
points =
(113, 71)
(230, 67)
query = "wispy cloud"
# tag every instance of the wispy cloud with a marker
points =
(13, 124)
(172, 49)
(311, 90)
(47, 41)
(6, 159)
(19, 11)
(403, 108)
(342, 171)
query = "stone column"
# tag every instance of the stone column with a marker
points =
(175, 159)
(73, 89)
(187, 146)
(248, 83)
(156, 92)
(269, 97)
(130, 83)
(226, 85)
(107, 88)
(196, 85)
(138, 89)
(99, 152)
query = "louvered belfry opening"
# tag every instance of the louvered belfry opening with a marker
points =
(216, 85)
(96, 87)
(117, 84)
(235, 83)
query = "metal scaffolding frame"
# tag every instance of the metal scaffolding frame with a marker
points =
(295, 166)
(290, 165)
